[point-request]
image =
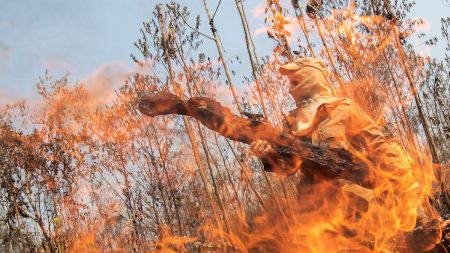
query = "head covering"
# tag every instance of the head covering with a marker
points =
(308, 78)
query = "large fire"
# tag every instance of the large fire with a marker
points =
(338, 215)
(168, 184)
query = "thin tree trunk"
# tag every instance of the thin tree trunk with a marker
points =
(227, 171)
(189, 131)
(219, 201)
(252, 63)
(423, 118)
(259, 68)
(171, 189)
(255, 76)
(330, 58)
(275, 197)
(301, 22)
(284, 40)
(216, 192)
(219, 50)
(402, 103)
(246, 176)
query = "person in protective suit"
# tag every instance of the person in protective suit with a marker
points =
(336, 123)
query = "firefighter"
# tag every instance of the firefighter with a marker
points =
(336, 123)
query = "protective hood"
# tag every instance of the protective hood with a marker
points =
(308, 86)
(308, 78)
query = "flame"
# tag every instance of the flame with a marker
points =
(86, 243)
(326, 216)
(335, 215)
(339, 215)
(364, 37)
(169, 243)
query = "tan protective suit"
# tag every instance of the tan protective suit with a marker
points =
(332, 122)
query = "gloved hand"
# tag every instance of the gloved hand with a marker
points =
(261, 148)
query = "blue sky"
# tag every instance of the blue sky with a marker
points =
(88, 38)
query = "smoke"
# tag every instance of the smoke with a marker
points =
(258, 11)
(59, 64)
(95, 92)
(5, 52)
(420, 24)
(262, 30)
(103, 82)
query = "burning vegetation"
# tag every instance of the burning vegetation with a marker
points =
(348, 153)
